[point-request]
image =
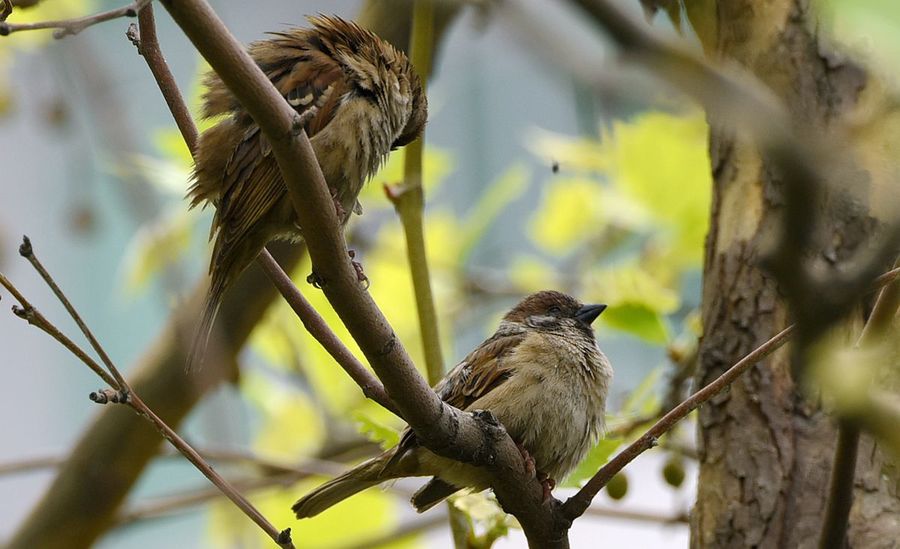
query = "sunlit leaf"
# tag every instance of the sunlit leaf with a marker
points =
(637, 319)
(292, 425)
(376, 431)
(569, 206)
(596, 458)
(644, 398)
(155, 247)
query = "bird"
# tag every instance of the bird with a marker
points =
(541, 374)
(357, 97)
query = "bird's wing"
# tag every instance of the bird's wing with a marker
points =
(313, 84)
(482, 371)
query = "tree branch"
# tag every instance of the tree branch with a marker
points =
(143, 36)
(318, 328)
(145, 39)
(441, 428)
(71, 27)
(843, 471)
(409, 201)
(577, 504)
(124, 394)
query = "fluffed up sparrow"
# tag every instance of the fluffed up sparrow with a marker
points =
(358, 98)
(543, 377)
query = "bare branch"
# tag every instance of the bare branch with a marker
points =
(123, 393)
(478, 440)
(409, 201)
(144, 38)
(577, 504)
(840, 493)
(27, 251)
(71, 27)
(318, 328)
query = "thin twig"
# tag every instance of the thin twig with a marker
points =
(127, 396)
(318, 328)
(71, 27)
(27, 251)
(577, 504)
(409, 201)
(843, 471)
(143, 36)
(145, 39)
(30, 314)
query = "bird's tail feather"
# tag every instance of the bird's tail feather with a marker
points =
(356, 480)
(204, 328)
(434, 492)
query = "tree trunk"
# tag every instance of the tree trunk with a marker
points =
(765, 448)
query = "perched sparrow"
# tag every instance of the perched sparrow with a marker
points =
(543, 377)
(358, 98)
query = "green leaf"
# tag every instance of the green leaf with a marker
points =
(644, 399)
(376, 431)
(155, 247)
(639, 320)
(596, 458)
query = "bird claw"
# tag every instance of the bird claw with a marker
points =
(338, 207)
(357, 266)
(319, 282)
(529, 461)
(548, 484)
(315, 280)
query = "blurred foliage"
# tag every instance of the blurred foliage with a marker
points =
(486, 521)
(22, 41)
(618, 486)
(673, 471)
(867, 27)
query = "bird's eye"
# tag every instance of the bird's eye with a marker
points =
(554, 310)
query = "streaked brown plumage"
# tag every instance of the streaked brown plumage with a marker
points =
(541, 374)
(358, 98)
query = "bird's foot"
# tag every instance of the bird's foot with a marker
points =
(315, 280)
(318, 282)
(338, 207)
(548, 484)
(529, 461)
(357, 266)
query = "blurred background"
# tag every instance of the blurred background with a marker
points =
(544, 169)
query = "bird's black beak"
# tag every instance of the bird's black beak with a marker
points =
(589, 313)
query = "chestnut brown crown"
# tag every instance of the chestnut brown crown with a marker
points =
(549, 308)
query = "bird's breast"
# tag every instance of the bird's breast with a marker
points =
(551, 404)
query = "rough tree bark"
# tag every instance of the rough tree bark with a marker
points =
(765, 448)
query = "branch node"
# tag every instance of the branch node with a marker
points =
(284, 537)
(105, 396)
(492, 431)
(134, 36)
(25, 313)
(25, 249)
(653, 442)
(296, 125)
(4, 29)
